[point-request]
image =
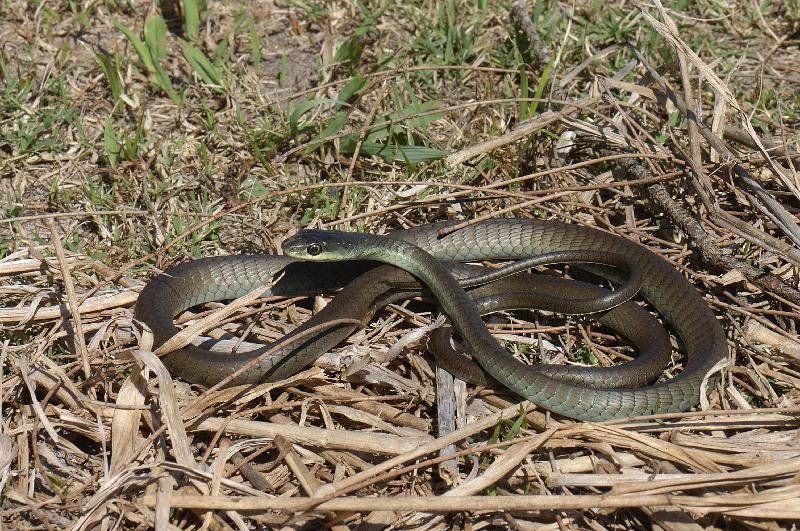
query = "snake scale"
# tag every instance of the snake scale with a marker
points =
(663, 286)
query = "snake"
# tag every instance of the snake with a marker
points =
(228, 277)
(662, 285)
(520, 292)
(366, 291)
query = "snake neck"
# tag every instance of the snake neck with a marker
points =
(447, 290)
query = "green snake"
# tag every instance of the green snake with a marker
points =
(222, 278)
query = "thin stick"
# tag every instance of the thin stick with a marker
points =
(79, 341)
(743, 504)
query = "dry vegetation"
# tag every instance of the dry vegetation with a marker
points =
(221, 133)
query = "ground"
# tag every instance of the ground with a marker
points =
(139, 135)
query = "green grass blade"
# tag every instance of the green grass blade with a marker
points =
(351, 89)
(161, 79)
(544, 80)
(111, 74)
(410, 113)
(255, 46)
(191, 19)
(524, 88)
(283, 72)
(110, 141)
(138, 45)
(204, 68)
(334, 126)
(411, 155)
(155, 36)
(294, 117)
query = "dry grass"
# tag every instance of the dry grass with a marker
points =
(368, 116)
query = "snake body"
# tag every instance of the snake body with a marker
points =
(662, 285)
(632, 321)
(228, 277)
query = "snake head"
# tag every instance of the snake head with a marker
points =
(322, 245)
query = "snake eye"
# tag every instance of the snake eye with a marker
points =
(314, 249)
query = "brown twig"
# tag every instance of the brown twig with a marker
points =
(704, 241)
(765, 202)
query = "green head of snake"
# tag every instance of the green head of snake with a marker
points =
(326, 245)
